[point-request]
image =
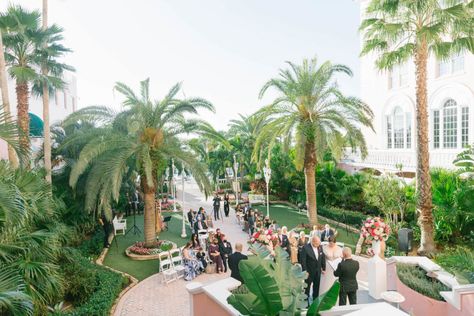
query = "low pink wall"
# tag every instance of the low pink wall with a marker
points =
(204, 306)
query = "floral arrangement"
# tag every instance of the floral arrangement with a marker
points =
(375, 229)
(168, 206)
(263, 237)
(157, 247)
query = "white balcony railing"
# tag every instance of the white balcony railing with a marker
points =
(389, 159)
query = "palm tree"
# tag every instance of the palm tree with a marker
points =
(140, 138)
(402, 29)
(311, 108)
(13, 299)
(28, 48)
(5, 97)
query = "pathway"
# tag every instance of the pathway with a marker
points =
(150, 297)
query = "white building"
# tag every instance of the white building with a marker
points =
(391, 96)
(61, 104)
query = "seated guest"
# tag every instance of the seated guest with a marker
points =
(196, 244)
(285, 243)
(234, 260)
(274, 225)
(302, 241)
(225, 248)
(326, 233)
(215, 255)
(192, 265)
(267, 222)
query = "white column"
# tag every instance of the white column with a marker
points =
(377, 276)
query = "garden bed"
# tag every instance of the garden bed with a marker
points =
(139, 252)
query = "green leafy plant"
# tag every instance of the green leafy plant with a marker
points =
(274, 287)
(325, 301)
(416, 279)
(460, 262)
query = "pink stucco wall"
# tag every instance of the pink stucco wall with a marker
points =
(204, 306)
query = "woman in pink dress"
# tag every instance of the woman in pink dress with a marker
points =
(215, 255)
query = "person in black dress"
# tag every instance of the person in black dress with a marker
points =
(226, 205)
(217, 206)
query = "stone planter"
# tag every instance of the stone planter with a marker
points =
(136, 257)
(418, 304)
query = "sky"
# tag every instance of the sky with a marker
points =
(221, 50)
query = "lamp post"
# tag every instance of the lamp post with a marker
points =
(173, 187)
(268, 174)
(183, 230)
(236, 183)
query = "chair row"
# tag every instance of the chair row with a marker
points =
(171, 265)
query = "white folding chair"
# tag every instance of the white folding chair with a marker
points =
(177, 261)
(166, 267)
(119, 225)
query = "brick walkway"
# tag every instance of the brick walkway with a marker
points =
(150, 297)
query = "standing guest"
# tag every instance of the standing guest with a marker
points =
(191, 217)
(107, 226)
(215, 255)
(218, 235)
(226, 205)
(136, 202)
(128, 210)
(326, 233)
(225, 248)
(313, 262)
(234, 260)
(301, 243)
(192, 266)
(274, 226)
(216, 202)
(285, 243)
(315, 232)
(347, 272)
(267, 222)
(293, 248)
(251, 221)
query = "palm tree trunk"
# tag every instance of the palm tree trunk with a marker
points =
(22, 94)
(149, 213)
(46, 128)
(310, 181)
(423, 177)
(6, 99)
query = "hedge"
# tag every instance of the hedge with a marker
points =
(343, 216)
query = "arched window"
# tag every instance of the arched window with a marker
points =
(446, 122)
(398, 128)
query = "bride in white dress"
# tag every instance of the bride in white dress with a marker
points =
(333, 254)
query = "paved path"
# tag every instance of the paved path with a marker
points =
(150, 297)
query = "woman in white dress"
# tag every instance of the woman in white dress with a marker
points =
(333, 254)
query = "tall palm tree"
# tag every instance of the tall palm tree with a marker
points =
(28, 48)
(399, 30)
(140, 138)
(316, 115)
(6, 98)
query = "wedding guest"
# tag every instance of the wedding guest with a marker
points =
(315, 232)
(218, 235)
(293, 248)
(108, 228)
(216, 203)
(191, 217)
(274, 225)
(326, 233)
(267, 222)
(226, 205)
(215, 255)
(195, 241)
(225, 248)
(284, 242)
(347, 273)
(192, 265)
(251, 221)
(314, 262)
(234, 260)
(333, 254)
(302, 241)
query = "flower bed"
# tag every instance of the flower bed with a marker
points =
(138, 251)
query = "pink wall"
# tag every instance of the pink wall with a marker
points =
(204, 306)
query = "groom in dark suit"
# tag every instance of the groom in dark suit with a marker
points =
(313, 261)
(347, 272)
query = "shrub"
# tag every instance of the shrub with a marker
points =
(78, 277)
(416, 279)
(93, 246)
(343, 216)
(460, 262)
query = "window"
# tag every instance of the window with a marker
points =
(450, 126)
(399, 129)
(451, 65)
(436, 129)
(465, 127)
(398, 76)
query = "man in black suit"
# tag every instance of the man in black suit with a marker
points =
(347, 272)
(326, 233)
(313, 261)
(234, 260)
(217, 206)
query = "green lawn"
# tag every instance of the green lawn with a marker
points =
(290, 217)
(117, 259)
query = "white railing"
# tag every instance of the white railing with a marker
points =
(389, 159)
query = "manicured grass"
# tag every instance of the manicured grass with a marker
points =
(117, 259)
(290, 217)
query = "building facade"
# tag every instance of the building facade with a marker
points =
(61, 104)
(391, 95)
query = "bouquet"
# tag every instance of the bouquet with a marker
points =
(375, 229)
